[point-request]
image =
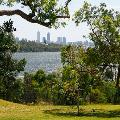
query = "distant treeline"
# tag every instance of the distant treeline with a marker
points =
(32, 46)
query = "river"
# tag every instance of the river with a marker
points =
(48, 61)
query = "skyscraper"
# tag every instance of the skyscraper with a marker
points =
(64, 40)
(38, 37)
(48, 37)
(59, 40)
(44, 40)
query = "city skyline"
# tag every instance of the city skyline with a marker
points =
(59, 40)
(47, 38)
(73, 33)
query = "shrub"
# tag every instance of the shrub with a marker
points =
(96, 96)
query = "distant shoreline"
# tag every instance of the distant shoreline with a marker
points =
(38, 52)
(32, 46)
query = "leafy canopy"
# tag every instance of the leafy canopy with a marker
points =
(104, 25)
(44, 12)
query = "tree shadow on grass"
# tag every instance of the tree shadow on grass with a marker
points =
(96, 113)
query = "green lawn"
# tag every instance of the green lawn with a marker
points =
(13, 111)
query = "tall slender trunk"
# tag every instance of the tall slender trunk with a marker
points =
(78, 102)
(116, 97)
(118, 77)
(78, 108)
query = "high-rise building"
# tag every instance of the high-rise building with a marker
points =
(44, 40)
(38, 37)
(64, 40)
(59, 40)
(48, 37)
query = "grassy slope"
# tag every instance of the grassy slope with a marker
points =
(13, 111)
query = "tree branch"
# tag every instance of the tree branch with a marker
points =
(67, 2)
(27, 17)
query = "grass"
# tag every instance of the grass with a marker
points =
(14, 111)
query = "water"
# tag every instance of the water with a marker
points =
(48, 61)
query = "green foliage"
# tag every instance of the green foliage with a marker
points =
(75, 74)
(104, 27)
(17, 93)
(67, 87)
(67, 73)
(9, 67)
(82, 77)
(40, 76)
(75, 69)
(32, 46)
(97, 96)
(44, 12)
(30, 89)
(109, 90)
(117, 99)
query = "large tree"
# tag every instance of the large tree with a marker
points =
(43, 12)
(9, 67)
(104, 27)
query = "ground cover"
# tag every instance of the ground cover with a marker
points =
(44, 111)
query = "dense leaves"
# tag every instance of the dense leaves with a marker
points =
(43, 12)
(104, 25)
(32, 46)
(9, 67)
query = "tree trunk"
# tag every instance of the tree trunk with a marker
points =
(78, 103)
(118, 77)
(78, 108)
(116, 97)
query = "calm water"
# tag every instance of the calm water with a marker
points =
(48, 61)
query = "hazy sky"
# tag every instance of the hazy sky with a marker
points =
(71, 32)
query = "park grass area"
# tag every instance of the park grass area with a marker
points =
(44, 111)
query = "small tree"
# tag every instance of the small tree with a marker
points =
(76, 74)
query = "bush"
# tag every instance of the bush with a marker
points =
(40, 76)
(96, 96)
(109, 90)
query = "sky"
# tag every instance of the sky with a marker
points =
(72, 33)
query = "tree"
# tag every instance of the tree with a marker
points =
(9, 67)
(40, 77)
(104, 25)
(43, 12)
(76, 74)
(31, 89)
(32, 46)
